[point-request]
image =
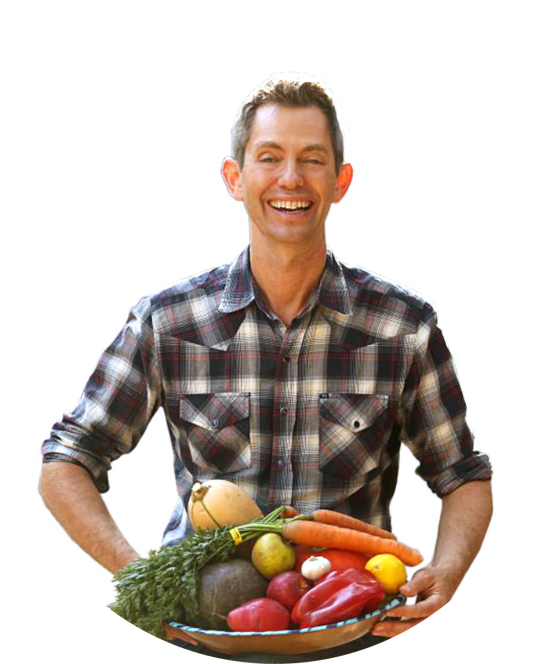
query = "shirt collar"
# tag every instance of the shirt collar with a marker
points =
(332, 292)
(239, 289)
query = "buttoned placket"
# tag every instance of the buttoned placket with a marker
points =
(285, 402)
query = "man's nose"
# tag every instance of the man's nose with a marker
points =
(290, 176)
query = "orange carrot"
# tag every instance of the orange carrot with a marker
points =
(289, 512)
(334, 537)
(344, 521)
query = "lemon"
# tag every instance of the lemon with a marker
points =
(389, 570)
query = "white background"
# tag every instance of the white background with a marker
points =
(161, 213)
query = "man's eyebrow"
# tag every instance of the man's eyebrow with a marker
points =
(319, 147)
(316, 147)
(267, 144)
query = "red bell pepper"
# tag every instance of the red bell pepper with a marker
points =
(340, 595)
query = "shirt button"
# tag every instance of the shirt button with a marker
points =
(286, 359)
(215, 423)
(281, 463)
(284, 411)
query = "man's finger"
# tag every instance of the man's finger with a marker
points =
(419, 582)
(422, 609)
(410, 611)
(389, 628)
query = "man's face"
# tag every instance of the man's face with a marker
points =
(288, 180)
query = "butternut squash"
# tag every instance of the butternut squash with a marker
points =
(217, 503)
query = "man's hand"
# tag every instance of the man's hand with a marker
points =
(465, 517)
(433, 588)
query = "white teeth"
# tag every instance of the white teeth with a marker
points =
(289, 205)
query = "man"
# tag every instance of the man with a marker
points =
(286, 372)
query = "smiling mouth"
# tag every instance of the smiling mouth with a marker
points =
(291, 207)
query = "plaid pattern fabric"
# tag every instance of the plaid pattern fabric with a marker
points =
(313, 415)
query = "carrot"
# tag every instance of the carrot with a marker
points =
(344, 521)
(289, 512)
(322, 534)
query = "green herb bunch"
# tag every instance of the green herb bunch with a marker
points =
(164, 587)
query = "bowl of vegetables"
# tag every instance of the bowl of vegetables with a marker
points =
(284, 583)
(287, 642)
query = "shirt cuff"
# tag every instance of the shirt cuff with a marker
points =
(474, 467)
(52, 451)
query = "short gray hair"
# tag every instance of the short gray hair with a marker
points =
(291, 90)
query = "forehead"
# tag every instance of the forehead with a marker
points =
(290, 127)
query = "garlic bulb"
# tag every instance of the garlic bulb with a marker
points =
(315, 567)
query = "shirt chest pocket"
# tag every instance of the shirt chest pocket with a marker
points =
(352, 431)
(217, 428)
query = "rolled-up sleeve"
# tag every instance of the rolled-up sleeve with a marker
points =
(117, 404)
(433, 415)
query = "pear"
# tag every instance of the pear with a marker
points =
(271, 555)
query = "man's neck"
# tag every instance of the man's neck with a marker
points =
(287, 275)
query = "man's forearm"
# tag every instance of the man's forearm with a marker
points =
(465, 517)
(73, 499)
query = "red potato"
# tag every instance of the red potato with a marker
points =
(259, 615)
(287, 588)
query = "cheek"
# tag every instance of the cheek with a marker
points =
(252, 205)
(255, 191)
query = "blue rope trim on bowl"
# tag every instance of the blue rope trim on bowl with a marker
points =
(395, 602)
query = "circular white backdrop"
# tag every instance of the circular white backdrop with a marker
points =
(161, 213)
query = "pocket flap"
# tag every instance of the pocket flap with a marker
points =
(215, 411)
(353, 411)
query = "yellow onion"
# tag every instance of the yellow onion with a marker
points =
(217, 503)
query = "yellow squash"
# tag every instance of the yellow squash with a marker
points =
(217, 503)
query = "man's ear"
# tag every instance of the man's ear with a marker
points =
(343, 182)
(232, 177)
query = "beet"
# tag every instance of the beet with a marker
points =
(225, 586)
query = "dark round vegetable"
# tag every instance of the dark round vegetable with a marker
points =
(225, 586)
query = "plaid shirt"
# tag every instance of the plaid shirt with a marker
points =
(311, 416)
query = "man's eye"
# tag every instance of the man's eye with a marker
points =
(314, 160)
(266, 160)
